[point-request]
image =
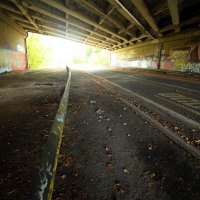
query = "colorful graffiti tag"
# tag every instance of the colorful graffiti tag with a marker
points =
(12, 60)
(18, 60)
(180, 59)
(142, 62)
(166, 62)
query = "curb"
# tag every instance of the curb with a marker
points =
(43, 181)
(175, 138)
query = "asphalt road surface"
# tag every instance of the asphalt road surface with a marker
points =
(174, 96)
(127, 136)
(117, 142)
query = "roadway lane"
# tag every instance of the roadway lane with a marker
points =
(156, 88)
(176, 102)
(136, 83)
(162, 80)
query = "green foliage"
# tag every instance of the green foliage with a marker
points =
(78, 59)
(92, 50)
(88, 51)
(99, 56)
(92, 55)
(38, 53)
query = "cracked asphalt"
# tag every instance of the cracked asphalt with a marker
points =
(108, 150)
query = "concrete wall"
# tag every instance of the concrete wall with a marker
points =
(180, 53)
(12, 48)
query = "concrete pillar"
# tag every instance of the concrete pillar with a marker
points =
(12, 47)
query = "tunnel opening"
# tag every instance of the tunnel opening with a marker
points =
(48, 52)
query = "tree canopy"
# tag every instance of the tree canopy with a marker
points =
(38, 53)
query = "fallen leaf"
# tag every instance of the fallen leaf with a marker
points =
(121, 191)
(150, 146)
(75, 113)
(63, 176)
(108, 154)
(110, 166)
(197, 141)
(108, 119)
(117, 184)
(126, 171)
(75, 174)
(198, 167)
(147, 172)
(92, 101)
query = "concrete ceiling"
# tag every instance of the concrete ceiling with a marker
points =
(108, 24)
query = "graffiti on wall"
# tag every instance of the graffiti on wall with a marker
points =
(17, 60)
(179, 59)
(4, 61)
(12, 60)
(182, 59)
(150, 62)
(20, 48)
(166, 62)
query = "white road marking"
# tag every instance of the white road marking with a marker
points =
(190, 102)
(176, 104)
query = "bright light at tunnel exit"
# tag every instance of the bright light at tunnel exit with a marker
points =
(64, 53)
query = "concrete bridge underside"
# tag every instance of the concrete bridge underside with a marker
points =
(131, 30)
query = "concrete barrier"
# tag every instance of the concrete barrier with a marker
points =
(43, 182)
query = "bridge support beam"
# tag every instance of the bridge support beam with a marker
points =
(12, 45)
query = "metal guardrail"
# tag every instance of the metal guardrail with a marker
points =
(43, 182)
